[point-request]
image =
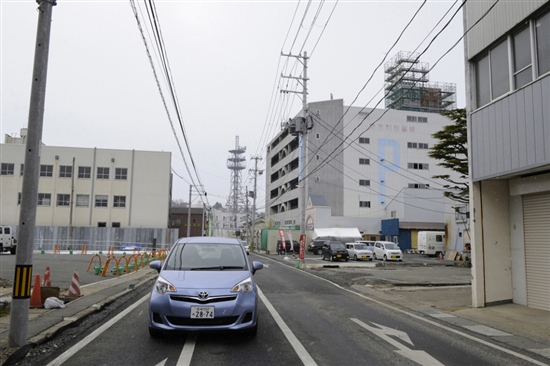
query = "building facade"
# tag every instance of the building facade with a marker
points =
(89, 187)
(508, 104)
(358, 161)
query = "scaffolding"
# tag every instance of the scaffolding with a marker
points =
(408, 87)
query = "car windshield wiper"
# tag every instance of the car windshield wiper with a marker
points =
(221, 268)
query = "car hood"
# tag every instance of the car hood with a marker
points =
(363, 251)
(221, 279)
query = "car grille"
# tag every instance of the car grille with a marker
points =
(196, 300)
(206, 322)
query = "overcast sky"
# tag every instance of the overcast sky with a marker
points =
(225, 60)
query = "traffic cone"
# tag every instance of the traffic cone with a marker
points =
(36, 296)
(47, 282)
(74, 288)
(440, 256)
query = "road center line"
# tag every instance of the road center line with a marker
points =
(187, 351)
(294, 342)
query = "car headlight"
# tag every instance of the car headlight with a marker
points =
(162, 286)
(243, 286)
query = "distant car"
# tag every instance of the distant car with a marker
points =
(368, 243)
(334, 250)
(205, 284)
(295, 247)
(246, 246)
(359, 251)
(316, 247)
(387, 251)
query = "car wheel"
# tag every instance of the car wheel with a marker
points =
(155, 333)
(347, 259)
(12, 250)
(355, 257)
(322, 257)
(370, 259)
(374, 256)
(252, 331)
(319, 251)
(385, 258)
(331, 258)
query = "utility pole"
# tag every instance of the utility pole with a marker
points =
(256, 172)
(19, 315)
(189, 213)
(300, 127)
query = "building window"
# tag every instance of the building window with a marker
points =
(500, 77)
(418, 166)
(542, 36)
(523, 73)
(101, 200)
(364, 161)
(22, 169)
(417, 145)
(44, 199)
(411, 118)
(364, 204)
(46, 170)
(84, 172)
(119, 201)
(364, 182)
(419, 185)
(64, 200)
(82, 200)
(19, 198)
(116, 224)
(121, 173)
(7, 169)
(364, 140)
(423, 119)
(101, 224)
(483, 91)
(317, 135)
(65, 171)
(102, 173)
(318, 157)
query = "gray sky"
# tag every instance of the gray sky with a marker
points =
(225, 63)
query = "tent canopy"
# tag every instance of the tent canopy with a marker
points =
(338, 232)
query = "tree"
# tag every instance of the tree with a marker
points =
(452, 152)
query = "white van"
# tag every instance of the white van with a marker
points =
(7, 242)
(431, 242)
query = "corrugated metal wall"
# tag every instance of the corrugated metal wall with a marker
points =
(513, 133)
(504, 16)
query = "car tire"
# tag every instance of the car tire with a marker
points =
(385, 258)
(155, 333)
(355, 257)
(320, 251)
(347, 259)
(322, 257)
(252, 332)
(331, 258)
(374, 256)
(12, 250)
(370, 259)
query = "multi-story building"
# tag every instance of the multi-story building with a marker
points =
(89, 187)
(508, 103)
(358, 161)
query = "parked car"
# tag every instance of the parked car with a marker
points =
(294, 248)
(246, 246)
(334, 250)
(368, 243)
(205, 284)
(359, 251)
(387, 250)
(316, 247)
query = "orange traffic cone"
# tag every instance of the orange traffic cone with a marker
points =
(74, 288)
(47, 282)
(36, 296)
(440, 256)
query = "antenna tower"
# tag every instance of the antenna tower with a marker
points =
(236, 163)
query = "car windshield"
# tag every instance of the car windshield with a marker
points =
(337, 246)
(392, 246)
(361, 247)
(213, 256)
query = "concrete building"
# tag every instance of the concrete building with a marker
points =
(358, 162)
(508, 104)
(89, 187)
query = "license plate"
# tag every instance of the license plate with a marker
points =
(364, 257)
(338, 255)
(393, 256)
(202, 312)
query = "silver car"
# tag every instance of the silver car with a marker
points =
(205, 284)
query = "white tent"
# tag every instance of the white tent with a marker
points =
(338, 232)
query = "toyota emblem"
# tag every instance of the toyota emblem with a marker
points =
(203, 295)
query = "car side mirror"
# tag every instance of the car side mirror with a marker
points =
(156, 265)
(256, 266)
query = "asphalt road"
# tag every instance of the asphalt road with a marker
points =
(304, 319)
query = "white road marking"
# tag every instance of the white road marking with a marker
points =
(162, 362)
(187, 351)
(485, 330)
(83, 343)
(420, 357)
(294, 342)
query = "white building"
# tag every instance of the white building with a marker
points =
(89, 187)
(508, 104)
(358, 162)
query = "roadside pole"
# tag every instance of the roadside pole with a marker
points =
(19, 314)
